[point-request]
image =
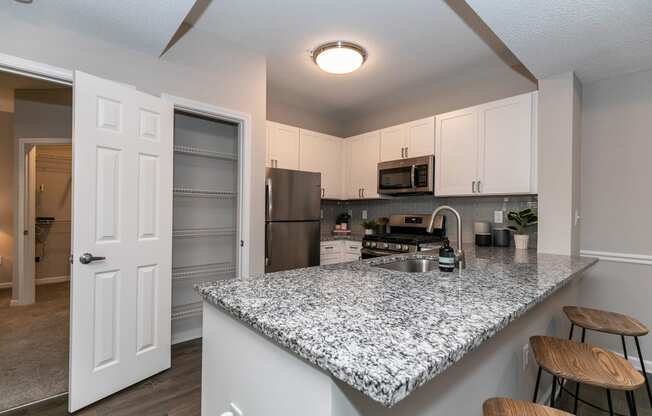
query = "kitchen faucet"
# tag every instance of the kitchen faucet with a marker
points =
(460, 259)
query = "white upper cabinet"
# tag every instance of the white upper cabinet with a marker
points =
(282, 146)
(456, 155)
(420, 137)
(392, 143)
(413, 139)
(487, 149)
(323, 153)
(362, 156)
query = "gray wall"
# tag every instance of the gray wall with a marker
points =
(43, 113)
(617, 196)
(288, 111)
(6, 195)
(471, 208)
(198, 67)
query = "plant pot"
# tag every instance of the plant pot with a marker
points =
(521, 241)
(368, 231)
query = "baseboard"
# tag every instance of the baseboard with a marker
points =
(6, 285)
(618, 257)
(52, 280)
(188, 335)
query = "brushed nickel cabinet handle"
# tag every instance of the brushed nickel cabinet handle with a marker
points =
(473, 187)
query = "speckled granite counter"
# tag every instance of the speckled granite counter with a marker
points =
(386, 333)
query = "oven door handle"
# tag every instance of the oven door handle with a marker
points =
(372, 252)
(413, 179)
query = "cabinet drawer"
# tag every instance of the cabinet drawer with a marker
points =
(350, 257)
(330, 247)
(329, 259)
(352, 247)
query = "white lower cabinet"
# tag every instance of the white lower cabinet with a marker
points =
(339, 251)
(487, 149)
(362, 157)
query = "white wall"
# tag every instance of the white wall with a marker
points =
(198, 67)
(617, 196)
(6, 186)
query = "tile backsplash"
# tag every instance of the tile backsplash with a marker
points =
(480, 208)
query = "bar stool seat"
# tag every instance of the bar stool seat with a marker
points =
(605, 321)
(584, 363)
(501, 406)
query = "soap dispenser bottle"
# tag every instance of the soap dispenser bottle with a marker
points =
(446, 257)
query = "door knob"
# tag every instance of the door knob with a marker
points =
(87, 258)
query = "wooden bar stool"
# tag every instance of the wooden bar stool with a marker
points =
(610, 323)
(501, 406)
(586, 364)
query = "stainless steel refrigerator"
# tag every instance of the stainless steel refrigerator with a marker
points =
(292, 219)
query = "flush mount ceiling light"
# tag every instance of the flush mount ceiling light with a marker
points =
(339, 57)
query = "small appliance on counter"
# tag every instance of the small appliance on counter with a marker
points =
(502, 237)
(482, 231)
(407, 234)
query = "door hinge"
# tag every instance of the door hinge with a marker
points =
(25, 232)
(70, 259)
(241, 243)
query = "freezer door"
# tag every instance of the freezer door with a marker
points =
(292, 195)
(291, 245)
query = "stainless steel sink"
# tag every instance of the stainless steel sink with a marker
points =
(411, 265)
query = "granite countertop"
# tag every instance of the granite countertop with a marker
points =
(386, 333)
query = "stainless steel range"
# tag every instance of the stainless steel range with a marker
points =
(408, 234)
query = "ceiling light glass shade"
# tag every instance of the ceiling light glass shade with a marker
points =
(339, 57)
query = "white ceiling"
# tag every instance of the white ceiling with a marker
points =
(144, 25)
(409, 43)
(595, 38)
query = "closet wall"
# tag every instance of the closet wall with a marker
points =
(205, 214)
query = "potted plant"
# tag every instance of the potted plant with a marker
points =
(523, 220)
(343, 220)
(369, 226)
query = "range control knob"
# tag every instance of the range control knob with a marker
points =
(373, 245)
(385, 245)
(405, 247)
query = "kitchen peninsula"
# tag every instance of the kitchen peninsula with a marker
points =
(356, 339)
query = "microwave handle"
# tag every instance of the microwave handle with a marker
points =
(413, 176)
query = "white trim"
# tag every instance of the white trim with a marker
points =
(188, 335)
(24, 297)
(6, 285)
(32, 69)
(619, 257)
(245, 166)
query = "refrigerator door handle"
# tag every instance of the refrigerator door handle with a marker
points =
(268, 245)
(268, 188)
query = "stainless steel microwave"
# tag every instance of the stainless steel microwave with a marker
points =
(407, 176)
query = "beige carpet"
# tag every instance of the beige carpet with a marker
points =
(34, 346)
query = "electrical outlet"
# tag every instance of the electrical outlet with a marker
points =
(498, 217)
(364, 214)
(526, 356)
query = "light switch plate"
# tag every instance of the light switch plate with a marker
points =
(364, 214)
(498, 217)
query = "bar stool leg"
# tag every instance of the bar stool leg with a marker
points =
(640, 357)
(577, 385)
(536, 386)
(583, 335)
(611, 406)
(554, 391)
(570, 336)
(622, 339)
(631, 403)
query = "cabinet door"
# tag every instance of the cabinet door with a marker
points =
(322, 153)
(392, 143)
(283, 146)
(363, 155)
(456, 156)
(420, 137)
(505, 145)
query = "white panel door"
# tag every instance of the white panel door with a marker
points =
(420, 137)
(284, 146)
(456, 155)
(122, 212)
(505, 146)
(362, 160)
(392, 143)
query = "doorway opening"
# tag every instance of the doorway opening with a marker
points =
(35, 221)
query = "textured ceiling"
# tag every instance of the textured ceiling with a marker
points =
(595, 38)
(409, 43)
(144, 25)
